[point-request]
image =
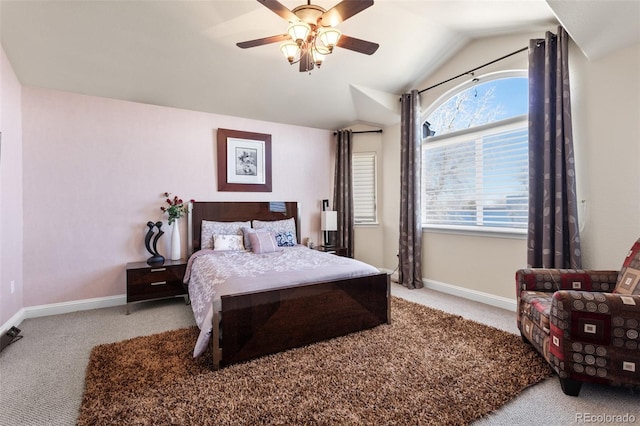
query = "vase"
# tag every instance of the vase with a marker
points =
(175, 241)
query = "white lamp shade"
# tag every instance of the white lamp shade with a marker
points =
(298, 31)
(329, 220)
(289, 50)
(330, 36)
(318, 58)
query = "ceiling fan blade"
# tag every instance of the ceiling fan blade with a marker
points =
(280, 9)
(262, 41)
(357, 45)
(343, 11)
(306, 62)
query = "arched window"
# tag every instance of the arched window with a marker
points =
(475, 156)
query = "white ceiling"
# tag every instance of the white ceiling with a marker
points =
(182, 53)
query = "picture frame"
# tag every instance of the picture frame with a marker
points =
(244, 161)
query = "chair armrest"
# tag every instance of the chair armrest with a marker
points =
(593, 303)
(608, 322)
(551, 280)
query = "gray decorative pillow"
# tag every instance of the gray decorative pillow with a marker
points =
(209, 227)
(277, 227)
(247, 241)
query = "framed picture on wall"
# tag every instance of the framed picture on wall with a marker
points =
(244, 161)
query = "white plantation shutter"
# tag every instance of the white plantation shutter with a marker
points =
(364, 187)
(478, 178)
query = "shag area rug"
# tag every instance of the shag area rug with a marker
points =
(426, 367)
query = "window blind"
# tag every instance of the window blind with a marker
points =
(478, 179)
(364, 187)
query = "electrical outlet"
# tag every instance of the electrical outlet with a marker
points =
(13, 286)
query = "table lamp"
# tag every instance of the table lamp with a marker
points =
(328, 223)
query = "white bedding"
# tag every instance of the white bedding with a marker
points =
(212, 274)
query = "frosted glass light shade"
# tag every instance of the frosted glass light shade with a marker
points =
(318, 58)
(298, 31)
(329, 37)
(289, 50)
(329, 220)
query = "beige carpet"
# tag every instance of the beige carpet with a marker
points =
(427, 367)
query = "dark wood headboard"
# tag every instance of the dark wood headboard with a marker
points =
(238, 211)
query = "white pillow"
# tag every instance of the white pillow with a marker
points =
(227, 242)
(209, 227)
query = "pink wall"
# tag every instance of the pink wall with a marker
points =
(10, 192)
(95, 169)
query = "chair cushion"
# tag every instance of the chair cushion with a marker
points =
(629, 276)
(536, 306)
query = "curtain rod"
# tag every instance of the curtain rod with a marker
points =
(475, 69)
(363, 131)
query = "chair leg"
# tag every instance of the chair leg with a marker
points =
(570, 387)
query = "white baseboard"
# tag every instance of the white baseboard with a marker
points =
(64, 308)
(466, 293)
(75, 305)
(476, 296)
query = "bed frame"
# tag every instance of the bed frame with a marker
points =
(251, 325)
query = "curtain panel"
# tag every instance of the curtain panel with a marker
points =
(553, 239)
(343, 191)
(410, 244)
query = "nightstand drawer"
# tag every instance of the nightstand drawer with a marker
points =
(154, 290)
(156, 274)
(146, 282)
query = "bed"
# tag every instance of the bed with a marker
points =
(246, 311)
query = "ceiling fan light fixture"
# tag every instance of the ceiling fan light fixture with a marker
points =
(311, 34)
(289, 50)
(299, 31)
(329, 36)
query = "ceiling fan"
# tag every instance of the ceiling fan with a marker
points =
(312, 35)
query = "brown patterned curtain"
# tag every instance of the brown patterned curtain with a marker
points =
(343, 191)
(410, 245)
(554, 236)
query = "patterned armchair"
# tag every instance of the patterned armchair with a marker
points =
(585, 323)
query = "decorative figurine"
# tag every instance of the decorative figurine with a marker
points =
(157, 259)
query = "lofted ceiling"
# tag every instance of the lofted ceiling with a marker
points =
(183, 53)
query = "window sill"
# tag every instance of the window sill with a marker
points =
(514, 234)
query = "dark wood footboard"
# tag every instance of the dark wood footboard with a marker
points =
(267, 322)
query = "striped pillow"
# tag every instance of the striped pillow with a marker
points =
(263, 242)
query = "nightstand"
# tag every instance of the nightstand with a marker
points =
(338, 251)
(145, 282)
